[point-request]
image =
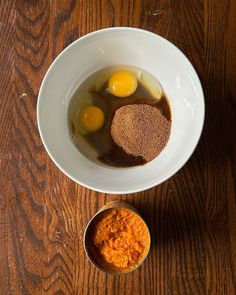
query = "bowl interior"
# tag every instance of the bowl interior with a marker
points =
(131, 47)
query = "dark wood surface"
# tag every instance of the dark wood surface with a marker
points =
(192, 216)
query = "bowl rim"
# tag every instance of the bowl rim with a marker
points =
(98, 32)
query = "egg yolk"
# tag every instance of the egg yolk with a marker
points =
(122, 83)
(92, 118)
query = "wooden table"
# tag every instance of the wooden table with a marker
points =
(192, 216)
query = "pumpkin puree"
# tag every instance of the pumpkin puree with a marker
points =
(121, 238)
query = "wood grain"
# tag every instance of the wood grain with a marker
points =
(192, 216)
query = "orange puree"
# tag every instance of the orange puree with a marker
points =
(121, 238)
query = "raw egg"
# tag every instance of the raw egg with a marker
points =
(91, 118)
(123, 83)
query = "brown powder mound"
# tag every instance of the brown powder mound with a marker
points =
(141, 130)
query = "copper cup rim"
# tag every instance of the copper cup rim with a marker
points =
(109, 206)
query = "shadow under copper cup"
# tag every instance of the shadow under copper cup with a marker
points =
(91, 250)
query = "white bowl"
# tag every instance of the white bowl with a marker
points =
(133, 47)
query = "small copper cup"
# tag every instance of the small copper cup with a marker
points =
(92, 255)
